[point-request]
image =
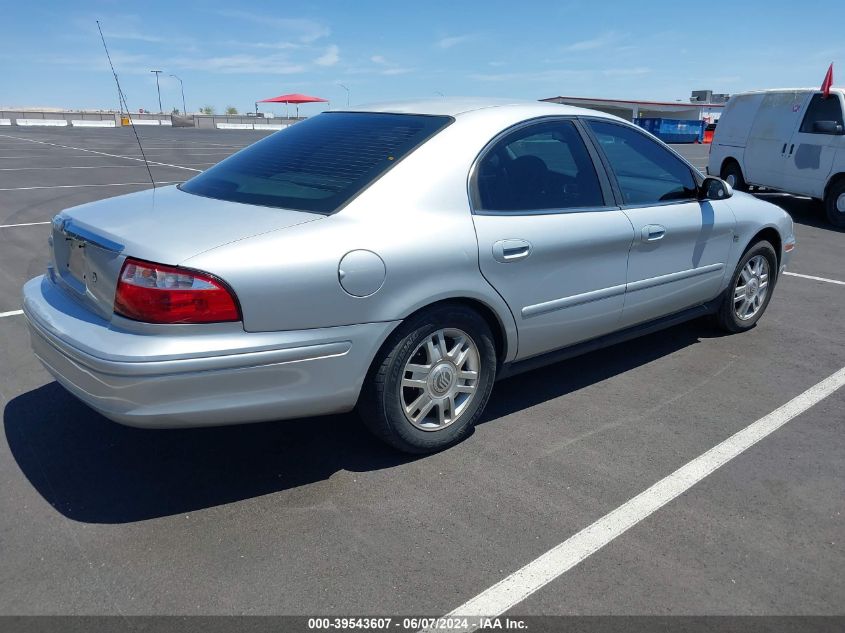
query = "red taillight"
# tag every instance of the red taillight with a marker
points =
(155, 293)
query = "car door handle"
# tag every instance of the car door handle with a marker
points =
(652, 232)
(512, 250)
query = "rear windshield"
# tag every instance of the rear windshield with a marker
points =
(319, 164)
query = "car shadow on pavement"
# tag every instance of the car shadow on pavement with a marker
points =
(804, 211)
(95, 471)
(533, 388)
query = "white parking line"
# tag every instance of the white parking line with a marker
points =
(522, 583)
(138, 156)
(11, 226)
(171, 147)
(830, 281)
(73, 167)
(88, 166)
(12, 313)
(82, 149)
(65, 156)
(113, 184)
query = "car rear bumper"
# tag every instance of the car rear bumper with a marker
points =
(179, 376)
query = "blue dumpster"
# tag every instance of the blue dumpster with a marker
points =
(673, 130)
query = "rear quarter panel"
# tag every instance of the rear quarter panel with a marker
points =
(417, 219)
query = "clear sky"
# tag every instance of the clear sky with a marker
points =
(232, 53)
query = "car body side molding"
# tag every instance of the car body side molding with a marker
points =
(651, 282)
(535, 362)
(613, 291)
(571, 301)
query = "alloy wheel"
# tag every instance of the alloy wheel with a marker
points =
(751, 288)
(440, 379)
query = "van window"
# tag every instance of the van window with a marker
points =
(820, 109)
(318, 164)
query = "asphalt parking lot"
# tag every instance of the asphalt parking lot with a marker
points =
(315, 517)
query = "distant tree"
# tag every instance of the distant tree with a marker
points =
(175, 111)
(231, 110)
(207, 109)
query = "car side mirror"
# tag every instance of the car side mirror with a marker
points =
(828, 127)
(715, 189)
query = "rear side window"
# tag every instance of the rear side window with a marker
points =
(544, 166)
(647, 172)
(829, 110)
(319, 164)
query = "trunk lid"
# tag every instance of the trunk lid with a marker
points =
(89, 243)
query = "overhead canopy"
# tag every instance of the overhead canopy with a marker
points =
(294, 98)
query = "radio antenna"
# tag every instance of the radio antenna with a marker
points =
(123, 106)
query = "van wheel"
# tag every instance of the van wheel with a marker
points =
(732, 174)
(750, 290)
(431, 380)
(834, 204)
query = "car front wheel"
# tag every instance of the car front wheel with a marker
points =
(431, 381)
(750, 290)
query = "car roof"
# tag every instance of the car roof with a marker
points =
(456, 106)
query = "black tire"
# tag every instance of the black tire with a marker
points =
(731, 171)
(726, 317)
(380, 405)
(835, 193)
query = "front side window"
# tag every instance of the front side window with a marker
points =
(823, 115)
(319, 164)
(544, 166)
(647, 172)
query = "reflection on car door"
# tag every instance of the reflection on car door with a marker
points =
(550, 239)
(681, 244)
(809, 159)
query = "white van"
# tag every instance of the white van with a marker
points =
(789, 140)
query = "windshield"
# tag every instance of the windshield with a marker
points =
(319, 164)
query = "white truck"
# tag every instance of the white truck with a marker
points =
(790, 140)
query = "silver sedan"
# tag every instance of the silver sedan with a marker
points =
(398, 259)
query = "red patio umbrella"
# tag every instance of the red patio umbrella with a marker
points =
(295, 98)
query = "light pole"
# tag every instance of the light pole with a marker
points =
(182, 87)
(347, 93)
(157, 73)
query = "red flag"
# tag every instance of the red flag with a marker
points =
(827, 83)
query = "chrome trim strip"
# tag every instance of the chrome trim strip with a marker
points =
(613, 291)
(546, 211)
(652, 282)
(667, 203)
(69, 229)
(574, 300)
